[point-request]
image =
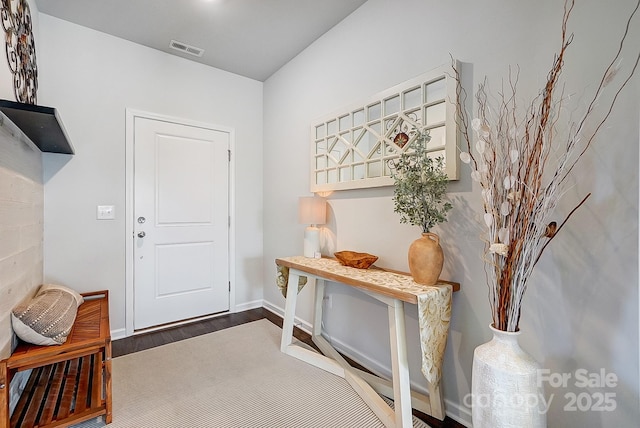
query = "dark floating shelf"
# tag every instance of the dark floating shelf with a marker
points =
(41, 125)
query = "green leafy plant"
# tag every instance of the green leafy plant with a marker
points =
(420, 186)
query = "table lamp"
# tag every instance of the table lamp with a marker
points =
(312, 210)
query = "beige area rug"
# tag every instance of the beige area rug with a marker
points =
(235, 378)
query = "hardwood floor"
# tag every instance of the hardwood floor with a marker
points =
(144, 341)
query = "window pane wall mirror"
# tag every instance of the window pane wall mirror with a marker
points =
(351, 149)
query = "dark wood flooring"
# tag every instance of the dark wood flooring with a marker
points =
(144, 341)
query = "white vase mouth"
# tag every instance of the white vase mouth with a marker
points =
(508, 333)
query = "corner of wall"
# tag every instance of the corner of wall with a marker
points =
(21, 229)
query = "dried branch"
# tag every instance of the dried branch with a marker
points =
(552, 234)
(512, 151)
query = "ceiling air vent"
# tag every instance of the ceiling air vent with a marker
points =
(188, 49)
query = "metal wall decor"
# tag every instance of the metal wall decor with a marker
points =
(352, 148)
(21, 49)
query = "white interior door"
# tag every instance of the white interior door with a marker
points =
(181, 222)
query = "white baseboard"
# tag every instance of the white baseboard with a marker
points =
(300, 323)
(248, 306)
(459, 413)
(455, 411)
(119, 333)
(374, 366)
(273, 308)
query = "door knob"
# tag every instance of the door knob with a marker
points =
(141, 234)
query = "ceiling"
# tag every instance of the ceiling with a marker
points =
(252, 38)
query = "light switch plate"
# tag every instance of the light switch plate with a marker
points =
(106, 212)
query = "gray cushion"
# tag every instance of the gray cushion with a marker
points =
(76, 295)
(47, 318)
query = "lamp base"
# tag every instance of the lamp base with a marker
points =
(311, 241)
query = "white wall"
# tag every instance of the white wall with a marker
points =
(91, 78)
(581, 309)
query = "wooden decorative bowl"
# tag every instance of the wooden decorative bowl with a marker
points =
(356, 260)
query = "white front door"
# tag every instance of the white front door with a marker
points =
(181, 222)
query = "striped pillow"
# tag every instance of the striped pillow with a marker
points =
(46, 319)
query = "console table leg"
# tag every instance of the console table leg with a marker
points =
(289, 311)
(318, 302)
(400, 366)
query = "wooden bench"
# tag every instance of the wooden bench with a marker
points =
(70, 383)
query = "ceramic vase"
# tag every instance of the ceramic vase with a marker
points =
(506, 392)
(426, 259)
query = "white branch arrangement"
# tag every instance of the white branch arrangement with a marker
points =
(522, 162)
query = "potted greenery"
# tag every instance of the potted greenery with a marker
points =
(419, 198)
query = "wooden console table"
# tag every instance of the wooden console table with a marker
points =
(393, 289)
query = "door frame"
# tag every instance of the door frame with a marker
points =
(131, 115)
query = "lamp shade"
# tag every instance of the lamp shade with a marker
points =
(312, 210)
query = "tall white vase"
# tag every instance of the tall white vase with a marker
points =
(505, 388)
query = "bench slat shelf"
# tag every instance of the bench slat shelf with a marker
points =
(70, 383)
